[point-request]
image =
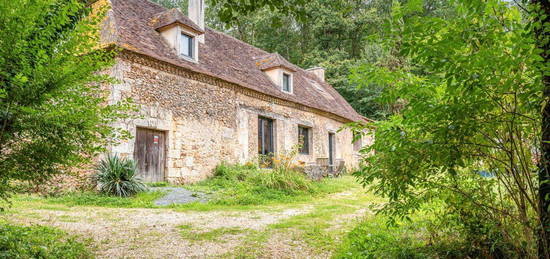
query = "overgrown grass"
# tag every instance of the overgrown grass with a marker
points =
(233, 187)
(140, 200)
(39, 242)
(374, 238)
(249, 185)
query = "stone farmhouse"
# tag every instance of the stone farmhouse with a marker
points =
(206, 97)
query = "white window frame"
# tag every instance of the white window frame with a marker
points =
(290, 82)
(183, 31)
(184, 36)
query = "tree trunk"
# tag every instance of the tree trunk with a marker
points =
(544, 163)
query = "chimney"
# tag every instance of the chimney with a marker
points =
(196, 14)
(318, 71)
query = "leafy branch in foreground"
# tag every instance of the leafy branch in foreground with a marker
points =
(468, 133)
(53, 112)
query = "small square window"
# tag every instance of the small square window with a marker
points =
(287, 84)
(187, 47)
(303, 138)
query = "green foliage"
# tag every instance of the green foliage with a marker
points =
(38, 242)
(246, 185)
(230, 10)
(117, 176)
(250, 185)
(53, 113)
(373, 238)
(469, 91)
(423, 235)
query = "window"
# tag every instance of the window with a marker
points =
(331, 148)
(303, 138)
(287, 83)
(186, 46)
(358, 142)
(265, 136)
(265, 142)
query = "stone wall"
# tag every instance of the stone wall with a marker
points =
(207, 124)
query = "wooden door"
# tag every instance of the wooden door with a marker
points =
(149, 153)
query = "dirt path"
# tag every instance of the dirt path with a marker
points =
(276, 232)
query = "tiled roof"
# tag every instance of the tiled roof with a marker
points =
(221, 56)
(274, 60)
(173, 16)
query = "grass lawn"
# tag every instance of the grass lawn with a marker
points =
(141, 200)
(39, 242)
(234, 188)
(249, 215)
(310, 225)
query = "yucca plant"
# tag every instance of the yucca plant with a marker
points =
(117, 176)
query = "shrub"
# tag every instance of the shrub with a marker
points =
(286, 174)
(234, 172)
(250, 185)
(436, 231)
(38, 242)
(117, 176)
(373, 238)
(279, 179)
(284, 180)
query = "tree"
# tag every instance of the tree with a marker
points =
(230, 10)
(53, 113)
(468, 133)
(541, 14)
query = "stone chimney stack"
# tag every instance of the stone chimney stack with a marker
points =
(318, 71)
(196, 14)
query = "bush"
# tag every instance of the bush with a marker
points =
(250, 185)
(38, 242)
(285, 180)
(373, 238)
(435, 231)
(117, 176)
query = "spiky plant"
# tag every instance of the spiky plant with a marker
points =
(117, 176)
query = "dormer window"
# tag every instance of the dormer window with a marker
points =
(179, 32)
(279, 70)
(187, 46)
(287, 83)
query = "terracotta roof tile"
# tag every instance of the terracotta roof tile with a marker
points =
(173, 16)
(274, 60)
(224, 57)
